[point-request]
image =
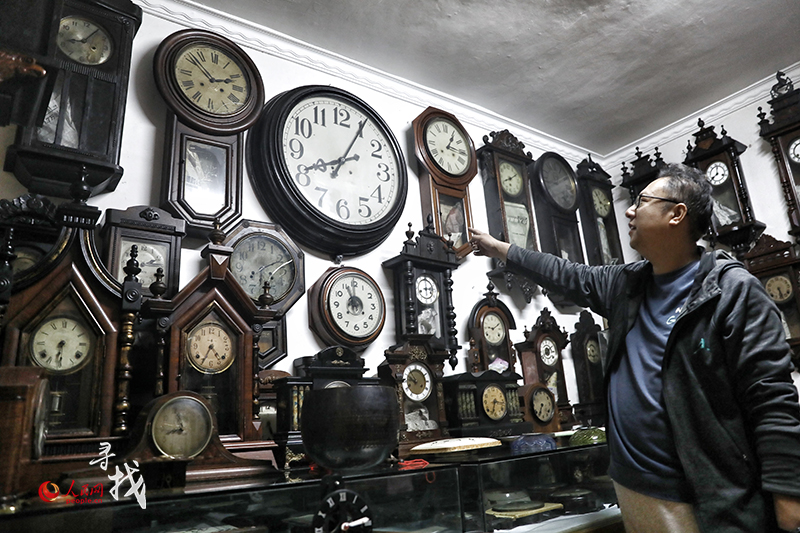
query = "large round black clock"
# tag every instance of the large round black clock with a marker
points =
(328, 168)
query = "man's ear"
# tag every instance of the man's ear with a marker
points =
(679, 214)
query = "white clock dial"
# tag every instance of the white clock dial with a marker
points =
(592, 351)
(211, 80)
(417, 383)
(427, 291)
(601, 202)
(209, 348)
(494, 329)
(83, 41)
(448, 146)
(779, 288)
(717, 172)
(151, 257)
(559, 182)
(62, 344)
(794, 150)
(542, 405)
(510, 178)
(259, 259)
(355, 305)
(548, 351)
(342, 163)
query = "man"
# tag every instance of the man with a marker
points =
(703, 417)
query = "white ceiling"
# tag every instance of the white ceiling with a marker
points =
(599, 74)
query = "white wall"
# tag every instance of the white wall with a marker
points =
(285, 63)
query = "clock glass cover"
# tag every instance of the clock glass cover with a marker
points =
(559, 182)
(355, 305)
(601, 202)
(779, 288)
(259, 259)
(548, 351)
(494, 402)
(417, 383)
(717, 172)
(182, 427)
(543, 407)
(83, 41)
(209, 348)
(211, 80)
(510, 178)
(448, 146)
(62, 345)
(494, 329)
(592, 348)
(794, 150)
(427, 291)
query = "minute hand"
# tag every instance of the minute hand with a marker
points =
(340, 162)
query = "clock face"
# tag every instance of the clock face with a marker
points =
(182, 427)
(151, 257)
(794, 150)
(494, 329)
(417, 383)
(448, 146)
(548, 351)
(427, 291)
(341, 161)
(494, 402)
(592, 348)
(601, 202)
(779, 288)
(84, 41)
(510, 178)
(717, 172)
(211, 79)
(62, 345)
(260, 258)
(342, 510)
(209, 348)
(543, 406)
(355, 305)
(27, 257)
(559, 182)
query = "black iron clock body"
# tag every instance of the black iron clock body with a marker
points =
(328, 168)
(598, 218)
(85, 46)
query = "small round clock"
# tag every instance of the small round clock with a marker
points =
(448, 145)
(592, 349)
(494, 402)
(342, 510)
(62, 345)
(209, 348)
(494, 329)
(208, 81)
(346, 306)
(779, 288)
(510, 178)
(182, 427)
(84, 41)
(717, 172)
(794, 150)
(328, 168)
(558, 180)
(601, 202)
(417, 382)
(427, 291)
(548, 351)
(543, 404)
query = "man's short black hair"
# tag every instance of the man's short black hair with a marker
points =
(690, 186)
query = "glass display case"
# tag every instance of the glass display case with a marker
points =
(399, 501)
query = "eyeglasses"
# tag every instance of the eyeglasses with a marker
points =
(638, 201)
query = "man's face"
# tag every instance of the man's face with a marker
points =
(649, 222)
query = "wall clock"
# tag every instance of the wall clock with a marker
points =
(328, 168)
(507, 194)
(733, 222)
(539, 406)
(423, 288)
(540, 355)
(483, 404)
(264, 253)
(587, 357)
(783, 134)
(555, 197)
(490, 323)
(415, 369)
(158, 237)
(346, 306)
(598, 219)
(776, 265)
(447, 154)
(85, 47)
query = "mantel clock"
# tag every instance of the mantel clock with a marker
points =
(733, 222)
(588, 360)
(598, 218)
(85, 47)
(445, 150)
(423, 288)
(506, 188)
(490, 325)
(783, 134)
(776, 265)
(541, 358)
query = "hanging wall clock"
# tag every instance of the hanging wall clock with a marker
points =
(588, 362)
(490, 324)
(447, 154)
(328, 168)
(598, 219)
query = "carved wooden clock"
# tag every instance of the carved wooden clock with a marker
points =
(733, 222)
(642, 172)
(445, 150)
(540, 355)
(490, 324)
(783, 134)
(423, 290)
(85, 47)
(777, 266)
(586, 355)
(415, 369)
(484, 404)
(506, 188)
(539, 407)
(598, 219)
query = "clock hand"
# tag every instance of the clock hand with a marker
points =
(321, 165)
(412, 379)
(450, 141)
(355, 523)
(194, 61)
(342, 159)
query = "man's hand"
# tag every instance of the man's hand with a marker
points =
(484, 244)
(787, 511)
